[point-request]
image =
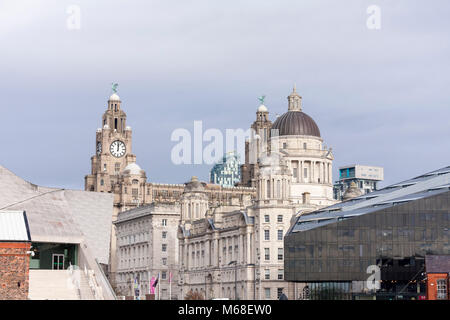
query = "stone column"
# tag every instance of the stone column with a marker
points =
(330, 173)
(208, 251)
(322, 172)
(216, 252)
(249, 253)
(241, 248)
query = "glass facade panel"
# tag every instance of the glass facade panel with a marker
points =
(333, 259)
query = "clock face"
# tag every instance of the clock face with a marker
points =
(117, 149)
(99, 148)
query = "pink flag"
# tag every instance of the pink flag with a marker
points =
(152, 288)
(170, 277)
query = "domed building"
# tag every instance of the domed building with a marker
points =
(296, 136)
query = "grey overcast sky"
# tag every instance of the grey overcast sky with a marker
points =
(380, 97)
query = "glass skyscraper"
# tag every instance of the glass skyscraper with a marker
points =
(227, 172)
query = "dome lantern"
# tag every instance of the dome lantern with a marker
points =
(295, 101)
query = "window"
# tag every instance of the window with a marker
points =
(294, 173)
(267, 293)
(304, 145)
(266, 234)
(268, 188)
(441, 289)
(266, 218)
(164, 222)
(134, 192)
(164, 234)
(305, 172)
(280, 274)
(280, 218)
(104, 167)
(163, 275)
(164, 261)
(266, 254)
(284, 145)
(280, 253)
(164, 247)
(279, 292)
(267, 274)
(280, 234)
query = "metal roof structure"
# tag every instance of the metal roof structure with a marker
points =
(14, 226)
(437, 263)
(424, 186)
(60, 215)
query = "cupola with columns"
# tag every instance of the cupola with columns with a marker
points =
(194, 201)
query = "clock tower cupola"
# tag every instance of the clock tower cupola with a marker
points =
(112, 148)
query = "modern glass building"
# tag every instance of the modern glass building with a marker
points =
(366, 179)
(372, 246)
(227, 172)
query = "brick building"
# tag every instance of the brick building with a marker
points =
(15, 245)
(438, 271)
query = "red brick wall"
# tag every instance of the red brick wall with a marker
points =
(432, 284)
(14, 270)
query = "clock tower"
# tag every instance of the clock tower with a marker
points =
(112, 149)
(114, 169)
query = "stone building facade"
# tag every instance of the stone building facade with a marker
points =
(296, 137)
(114, 170)
(147, 245)
(236, 251)
(302, 183)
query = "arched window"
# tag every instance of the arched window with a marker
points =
(268, 188)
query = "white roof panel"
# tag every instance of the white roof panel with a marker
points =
(14, 226)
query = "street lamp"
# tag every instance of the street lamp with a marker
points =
(235, 278)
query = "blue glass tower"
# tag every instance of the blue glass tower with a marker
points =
(227, 172)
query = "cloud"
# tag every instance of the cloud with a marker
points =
(378, 96)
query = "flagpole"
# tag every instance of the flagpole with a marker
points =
(159, 287)
(170, 285)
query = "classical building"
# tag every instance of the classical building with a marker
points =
(254, 215)
(296, 136)
(365, 178)
(256, 146)
(236, 251)
(114, 170)
(147, 245)
(226, 173)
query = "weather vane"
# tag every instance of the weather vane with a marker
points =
(114, 87)
(261, 99)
